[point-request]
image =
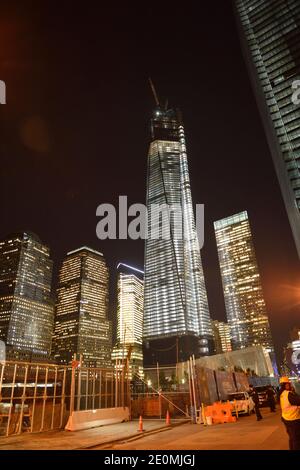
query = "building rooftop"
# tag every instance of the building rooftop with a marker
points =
(85, 248)
(23, 234)
(128, 268)
(231, 220)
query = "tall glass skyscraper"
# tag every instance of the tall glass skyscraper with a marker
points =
(244, 300)
(176, 315)
(130, 313)
(26, 306)
(269, 31)
(81, 323)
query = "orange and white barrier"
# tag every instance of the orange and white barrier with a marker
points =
(219, 413)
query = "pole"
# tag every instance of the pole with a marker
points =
(128, 388)
(189, 379)
(63, 397)
(34, 397)
(158, 388)
(11, 399)
(116, 389)
(198, 390)
(79, 385)
(193, 387)
(54, 399)
(23, 401)
(191, 391)
(72, 387)
(44, 398)
(122, 383)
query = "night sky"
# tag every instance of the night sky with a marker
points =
(74, 132)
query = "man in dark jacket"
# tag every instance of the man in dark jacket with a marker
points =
(271, 399)
(254, 395)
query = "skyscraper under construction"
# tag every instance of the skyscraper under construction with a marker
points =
(176, 315)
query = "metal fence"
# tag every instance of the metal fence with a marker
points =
(182, 389)
(40, 397)
(161, 389)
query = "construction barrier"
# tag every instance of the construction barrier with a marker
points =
(219, 413)
(87, 419)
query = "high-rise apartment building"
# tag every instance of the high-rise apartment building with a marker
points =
(26, 306)
(176, 315)
(244, 300)
(221, 331)
(81, 323)
(130, 312)
(269, 31)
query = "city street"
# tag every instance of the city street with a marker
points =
(246, 434)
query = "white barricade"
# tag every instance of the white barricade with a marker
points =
(87, 419)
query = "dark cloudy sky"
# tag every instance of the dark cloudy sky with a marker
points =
(74, 132)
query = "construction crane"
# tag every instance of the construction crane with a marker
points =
(156, 99)
(154, 93)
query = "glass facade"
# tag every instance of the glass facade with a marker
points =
(176, 314)
(130, 311)
(244, 301)
(81, 324)
(26, 306)
(269, 31)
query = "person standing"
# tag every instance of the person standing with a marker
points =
(254, 395)
(290, 409)
(271, 399)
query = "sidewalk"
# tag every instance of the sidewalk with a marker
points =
(66, 440)
(246, 434)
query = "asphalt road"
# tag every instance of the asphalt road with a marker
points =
(245, 434)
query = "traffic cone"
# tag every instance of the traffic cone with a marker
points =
(141, 424)
(168, 421)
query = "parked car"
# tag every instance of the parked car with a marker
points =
(242, 402)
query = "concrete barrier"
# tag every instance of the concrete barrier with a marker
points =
(93, 418)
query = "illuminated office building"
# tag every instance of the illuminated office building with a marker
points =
(269, 31)
(244, 301)
(81, 324)
(176, 316)
(221, 331)
(26, 307)
(130, 311)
